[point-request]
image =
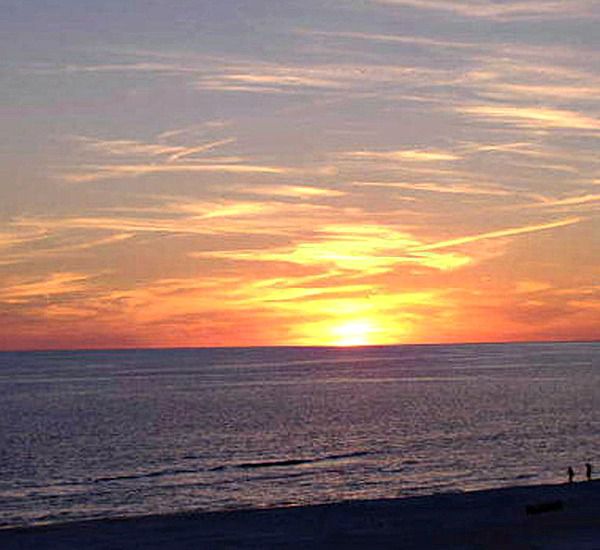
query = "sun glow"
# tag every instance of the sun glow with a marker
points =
(358, 332)
(352, 322)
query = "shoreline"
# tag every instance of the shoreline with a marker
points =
(532, 516)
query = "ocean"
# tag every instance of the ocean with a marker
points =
(102, 434)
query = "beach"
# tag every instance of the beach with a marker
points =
(565, 516)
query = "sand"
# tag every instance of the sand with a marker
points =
(541, 517)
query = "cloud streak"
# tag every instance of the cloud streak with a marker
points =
(294, 191)
(522, 9)
(538, 117)
(501, 233)
(432, 187)
(91, 173)
(368, 249)
(407, 155)
(390, 39)
(163, 158)
(133, 148)
(53, 285)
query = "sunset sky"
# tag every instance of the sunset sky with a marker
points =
(274, 172)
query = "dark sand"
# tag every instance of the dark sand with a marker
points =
(560, 517)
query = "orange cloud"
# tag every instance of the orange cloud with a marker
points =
(299, 191)
(54, 284)
(540, 117)
(410, 155)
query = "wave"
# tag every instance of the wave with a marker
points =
(289, 461)
(156, 473)
(239, 466)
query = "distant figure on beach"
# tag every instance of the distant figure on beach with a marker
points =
(588, 471)
(571, 474)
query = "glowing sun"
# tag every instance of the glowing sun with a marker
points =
(353, 333)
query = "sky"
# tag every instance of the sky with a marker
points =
(298, 172)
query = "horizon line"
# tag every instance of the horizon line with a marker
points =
(299, 346)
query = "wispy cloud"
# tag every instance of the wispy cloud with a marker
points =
(538, 117)
(189, 217)
(297, 191)
(548, 91)
(122, 147)
(54, 284)
(224, 74)
(268, 80)
(13, 238)
(167, 67)
(90, 173)
(231, 74)
(363, 249)
(401, 155)
(572, 201)
(172, 159)
(519, 148)
(147, 158)
(390, 39)
(502, 10)
(54, 245)
(509, 232)
(133, 148)
(454, 189)
(194, 131)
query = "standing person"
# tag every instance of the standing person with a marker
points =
(588, 471)
(571, 474)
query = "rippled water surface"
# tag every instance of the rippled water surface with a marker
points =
(113, 433)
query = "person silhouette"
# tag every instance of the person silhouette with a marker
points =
(571, 474)
(588, 471)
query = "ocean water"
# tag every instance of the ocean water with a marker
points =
(120, 433)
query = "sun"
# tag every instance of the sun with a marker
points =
(353, 333)
(347, 328)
